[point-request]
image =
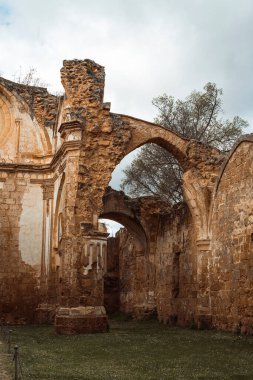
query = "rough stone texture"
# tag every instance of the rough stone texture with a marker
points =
(41, 104)
(162, 278)
(18, 279)
(81, 320)
(191, 265)
(45, 313)
(230, 264)
(28, 129)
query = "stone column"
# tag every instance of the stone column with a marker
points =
(86, 119)
(83, 250)
(204, 318)
(48, 196)
(45, 310)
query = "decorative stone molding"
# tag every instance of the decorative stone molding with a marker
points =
(71, 131)
(94, 252)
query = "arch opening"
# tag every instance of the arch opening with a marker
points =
(142, 216)
(132, 226)
(150, 170)
(123, 249)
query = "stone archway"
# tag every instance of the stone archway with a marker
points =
(116, 207)
(127, 278)
(144, 132)
(200, 163)
(106, 138)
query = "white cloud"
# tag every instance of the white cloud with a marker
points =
(112, 227)
(147, 47)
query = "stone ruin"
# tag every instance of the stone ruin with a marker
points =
(189, 264)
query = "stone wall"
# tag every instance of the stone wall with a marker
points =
(20, 254)
(28, 119)
(231, 260)
(162, 279)
(176, 267)
(36, 102)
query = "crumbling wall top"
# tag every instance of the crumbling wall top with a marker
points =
(83, 81)
(41, 105)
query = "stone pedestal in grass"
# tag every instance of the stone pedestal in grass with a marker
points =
(81, 320)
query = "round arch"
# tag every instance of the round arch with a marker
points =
(199, 163)
(132, 225)
(117, 208)
(143, 132)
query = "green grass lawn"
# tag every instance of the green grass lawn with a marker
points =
(134, 350)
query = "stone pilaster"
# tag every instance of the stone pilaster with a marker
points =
(45, 310)
(48, 196)
(204, 319)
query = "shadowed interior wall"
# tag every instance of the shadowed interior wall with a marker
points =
(162, 280)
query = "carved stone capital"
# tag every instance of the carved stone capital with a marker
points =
(48, 189)
(71, 130)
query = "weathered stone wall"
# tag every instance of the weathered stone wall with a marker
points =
(20, 254)
(133, 280)
(176, 268)
(231, 263)
(36, 104)
(28, 119)
(29, 238)
(163, 278)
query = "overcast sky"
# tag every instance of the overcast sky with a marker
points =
(148, 47)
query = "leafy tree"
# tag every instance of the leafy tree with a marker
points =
(156, 172)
